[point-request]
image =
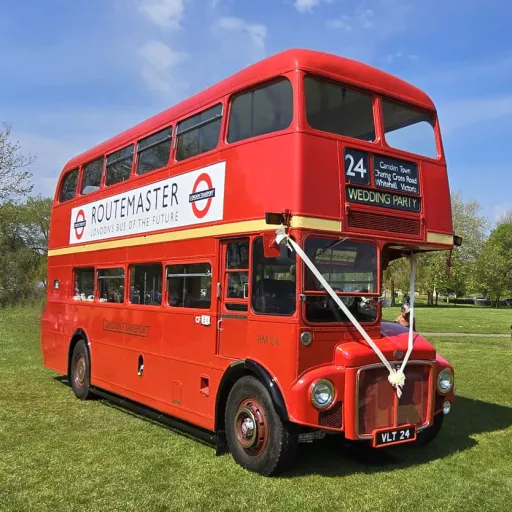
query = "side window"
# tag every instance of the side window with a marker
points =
(236, 279)
(263, 110)
(153, 151)
(68, 187)
(92, 176)
(333, 107)
(146, 284)
(273, 281)
(190, 285)
(111, 285)
(84, 284)
(199, 134)
(119, 166)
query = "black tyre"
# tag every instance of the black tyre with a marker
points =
(257, 438)
(429, 434)
(80, 371)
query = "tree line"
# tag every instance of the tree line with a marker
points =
(481, 266)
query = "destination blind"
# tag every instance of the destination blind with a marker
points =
(383, 199)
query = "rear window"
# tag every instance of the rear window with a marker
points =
(332, 107)
(409, 129)
(263, 110)
(68, 187)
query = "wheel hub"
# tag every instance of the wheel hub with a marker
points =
(80, 371)
(251, 426)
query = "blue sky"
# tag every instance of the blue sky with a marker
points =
(75, 73)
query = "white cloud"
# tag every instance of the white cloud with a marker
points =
(308, 5)
(159, 68)
(256, 32)
(164, 13)
(343, 23)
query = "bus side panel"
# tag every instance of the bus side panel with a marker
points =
(436, 202)
(274, 344)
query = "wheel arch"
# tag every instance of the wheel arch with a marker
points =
(78, 335)
(234, 372)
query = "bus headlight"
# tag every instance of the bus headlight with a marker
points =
(322, 393)
(445, 380)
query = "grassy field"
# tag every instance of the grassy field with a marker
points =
(478, 320)
(60, 454)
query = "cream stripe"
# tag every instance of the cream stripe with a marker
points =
(185, 234)
(439, 238)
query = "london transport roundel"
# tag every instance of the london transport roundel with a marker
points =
(79, 224)
(198, 212)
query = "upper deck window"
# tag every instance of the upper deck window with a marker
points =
(332, 107)
(153, 151)
(119, 165)
(68, 187)
(92, 176)
(409, 129)
(199, 134)
(266, 109)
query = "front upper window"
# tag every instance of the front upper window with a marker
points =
(409, 129)
(335, 108)
(349, 267)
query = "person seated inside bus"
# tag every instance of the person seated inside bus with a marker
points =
(405, 317)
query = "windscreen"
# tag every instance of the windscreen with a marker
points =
(349, 267)
(409, 129)
(333, 107)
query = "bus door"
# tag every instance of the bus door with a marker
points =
(233, 297)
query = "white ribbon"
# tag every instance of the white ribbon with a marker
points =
(395, 377)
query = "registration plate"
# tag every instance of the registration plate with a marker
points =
(396, 435)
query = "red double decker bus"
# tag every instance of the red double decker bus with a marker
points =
(219, 266)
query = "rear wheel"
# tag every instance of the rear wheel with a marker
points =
(80, 371)
(429, 434)
(257, 438)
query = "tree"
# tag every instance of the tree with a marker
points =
(15, 178)
(495, 263)
(23, 249)
(506, 218)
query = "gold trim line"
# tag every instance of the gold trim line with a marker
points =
(231, 228)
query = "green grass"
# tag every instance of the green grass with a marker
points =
(473, 319)
(60, 454)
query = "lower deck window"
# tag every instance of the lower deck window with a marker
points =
(111, 285)
(84, 284)
(190, 285)
(146, 284)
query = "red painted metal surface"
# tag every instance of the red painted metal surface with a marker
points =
(298, 169)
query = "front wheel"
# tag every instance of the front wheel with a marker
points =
(257, 438)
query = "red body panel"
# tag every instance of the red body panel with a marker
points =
(297, 169)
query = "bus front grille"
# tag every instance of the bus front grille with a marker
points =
(380, 222)
(378, 404)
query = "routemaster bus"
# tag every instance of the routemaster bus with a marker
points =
(220, 265)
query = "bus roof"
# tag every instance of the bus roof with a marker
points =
(349, 71)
